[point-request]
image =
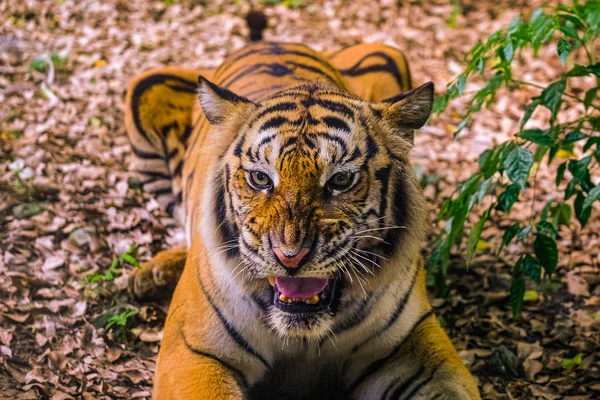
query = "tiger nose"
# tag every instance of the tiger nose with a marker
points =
(291, 261)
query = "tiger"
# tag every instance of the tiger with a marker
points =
(301, 276)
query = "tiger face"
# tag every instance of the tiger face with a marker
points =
(315, 195)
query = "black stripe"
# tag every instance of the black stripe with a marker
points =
(178, 168)
(336, 123)
(241, 377)
(335, 139)
(285, 106)
(417, 388)
(372, 148)
(273, 69)
(274, 122)
(355, 154)
(235, 335)
(143, 154)
(226, 230)
(279, 49)
(383, 176)
(160, 192)
(378, 364)
(397, 312)
(155, 174)
(185, 135)
(336, 107)
(401, 197)
(400, 389)
(390, 66)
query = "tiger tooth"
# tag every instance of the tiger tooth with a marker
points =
(272, 281)
(283, 298)
(313, 300)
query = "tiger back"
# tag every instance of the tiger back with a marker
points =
(304, 224)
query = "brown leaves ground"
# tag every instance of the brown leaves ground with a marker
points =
(69, 206)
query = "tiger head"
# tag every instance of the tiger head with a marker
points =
(315, 195)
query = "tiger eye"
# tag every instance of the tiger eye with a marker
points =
(341, 180)
(260, 180)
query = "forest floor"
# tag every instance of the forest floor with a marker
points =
(69, 207)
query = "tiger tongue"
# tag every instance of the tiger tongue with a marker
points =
(300, 288)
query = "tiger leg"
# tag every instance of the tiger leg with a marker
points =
(157, 278)
(372, 71)
(158, 118)
(183, 373)
(424, 366)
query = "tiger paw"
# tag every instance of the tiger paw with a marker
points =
(157, 278)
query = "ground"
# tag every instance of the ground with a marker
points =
(69, 207)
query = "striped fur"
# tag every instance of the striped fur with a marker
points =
(299, 117)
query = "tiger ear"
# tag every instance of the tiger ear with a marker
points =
(408, 111)
(217, 102)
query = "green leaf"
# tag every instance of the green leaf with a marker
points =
(461, 84)
(509, 235)
(570, 189)
(593, 19)
(546, 252)
(591, 142)
(552, 96)
(564, 49)
(574, 136)
(546, 228)
(583, 215)
(590, 95)
(508, 198)
(541, 29)
(478, 196)
(573, 18)
(580, 70)
(517, 292)
(130, 259)
(538, 136)
(560, 173)
(579, 168)
(509, 51)
(572, 363)
(532, 268)
(523, 233)
(488, 161)
(562, 215)
(518, 165)
(39, 65)
(592, 196)
(475, 235)
(569, 30)
(530, 109)
(513, 27)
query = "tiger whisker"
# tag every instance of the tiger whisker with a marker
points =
(366, 259)
(372, 253)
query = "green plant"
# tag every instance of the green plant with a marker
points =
(95, 280)
(42, 64)
(506, 170)
(118, 319)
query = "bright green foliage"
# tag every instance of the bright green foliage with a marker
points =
(572, 363)
(505, 171)
(96, 279)
(118, 319)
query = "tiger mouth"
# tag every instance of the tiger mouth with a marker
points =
(302, 295)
